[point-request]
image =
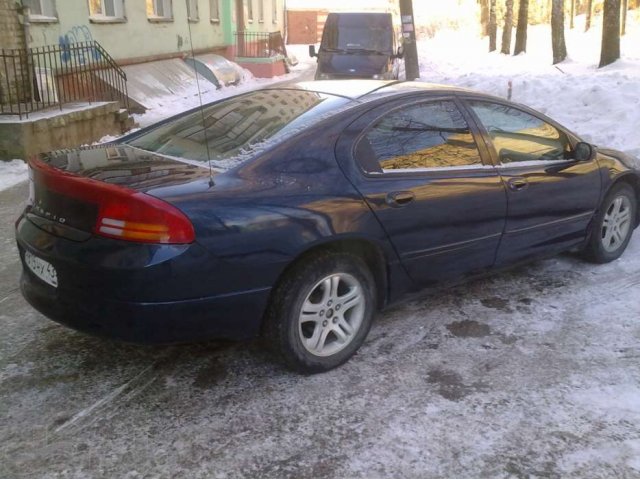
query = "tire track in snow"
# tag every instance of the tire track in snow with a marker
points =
(109, 405)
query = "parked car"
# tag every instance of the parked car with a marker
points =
(322, 203)
(358, 45)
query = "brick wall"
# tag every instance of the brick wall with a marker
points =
(11, 37)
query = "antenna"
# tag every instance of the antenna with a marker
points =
(204, 127)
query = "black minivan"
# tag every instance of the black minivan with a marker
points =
(358, 45)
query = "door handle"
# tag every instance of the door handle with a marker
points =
(517, 184)
(400, 199)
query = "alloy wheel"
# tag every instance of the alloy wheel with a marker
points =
(331, 314)
(616, 223)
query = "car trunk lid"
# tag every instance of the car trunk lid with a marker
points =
(104, 191)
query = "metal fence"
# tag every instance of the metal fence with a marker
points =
(52, 76)
(259, 44)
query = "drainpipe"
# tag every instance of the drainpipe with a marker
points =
(23, 18)
(285, 27)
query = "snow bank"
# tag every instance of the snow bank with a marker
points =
(12, 173)
(601, 105)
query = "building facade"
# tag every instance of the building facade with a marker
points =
(12, 36)
(136, 31)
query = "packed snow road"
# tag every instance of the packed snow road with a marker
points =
(534, 372)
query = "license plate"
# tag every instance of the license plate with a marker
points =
(41, 269)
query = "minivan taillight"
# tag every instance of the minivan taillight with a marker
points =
(123, 213)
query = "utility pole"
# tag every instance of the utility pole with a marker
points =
(411, 65)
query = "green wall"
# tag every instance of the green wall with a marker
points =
(137, 37)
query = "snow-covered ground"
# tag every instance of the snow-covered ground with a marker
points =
(12, 172)
(529, 373)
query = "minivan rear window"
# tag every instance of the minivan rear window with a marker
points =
(238, 126)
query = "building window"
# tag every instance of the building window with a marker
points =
(274, 13)
(106, 9)
(214, 6)
(261, 11)
(43, 10)
(192, 10)
(159, 10)
(250, 10)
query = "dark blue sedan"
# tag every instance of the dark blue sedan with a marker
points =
(298, 212)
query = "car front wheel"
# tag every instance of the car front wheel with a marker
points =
(321, 312)
(613, 225)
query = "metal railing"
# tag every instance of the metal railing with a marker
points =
(259, 44)
(52, 76)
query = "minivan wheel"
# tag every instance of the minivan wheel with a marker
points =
(321, 312)
(613, 225)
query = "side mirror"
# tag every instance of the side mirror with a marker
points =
(312, 51)
(400, 53)
(583, 151)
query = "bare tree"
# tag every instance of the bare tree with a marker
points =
(521, 30)
(587, 24)
(508, 26)
(557, 31)
(484, 16)
(625, 8)
(493, 26)
(610, 32)
(573, 14)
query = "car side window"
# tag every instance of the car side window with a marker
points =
(430, 135)
(520, 137)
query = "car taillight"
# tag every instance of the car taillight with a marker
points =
(123, 213)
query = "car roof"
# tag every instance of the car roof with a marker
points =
(360, 89)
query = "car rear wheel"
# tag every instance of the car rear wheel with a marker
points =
(321, 312)
(613, 225)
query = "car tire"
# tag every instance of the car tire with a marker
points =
(321, 312)
(613, 225)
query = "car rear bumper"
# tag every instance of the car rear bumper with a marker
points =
(147, 294)
(234, 316)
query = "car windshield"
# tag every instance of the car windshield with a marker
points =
(358, 33)
(234, 129)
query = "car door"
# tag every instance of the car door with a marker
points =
(551, 196)
(418, 166)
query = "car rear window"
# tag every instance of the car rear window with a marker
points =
(234, 129)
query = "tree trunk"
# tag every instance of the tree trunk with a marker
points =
(484, 16)
(508, 26)
(493, 26)
(557, 31)
(610, 32)
(573, 14)
(587, 24)
(521, 30)
(625, 8)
